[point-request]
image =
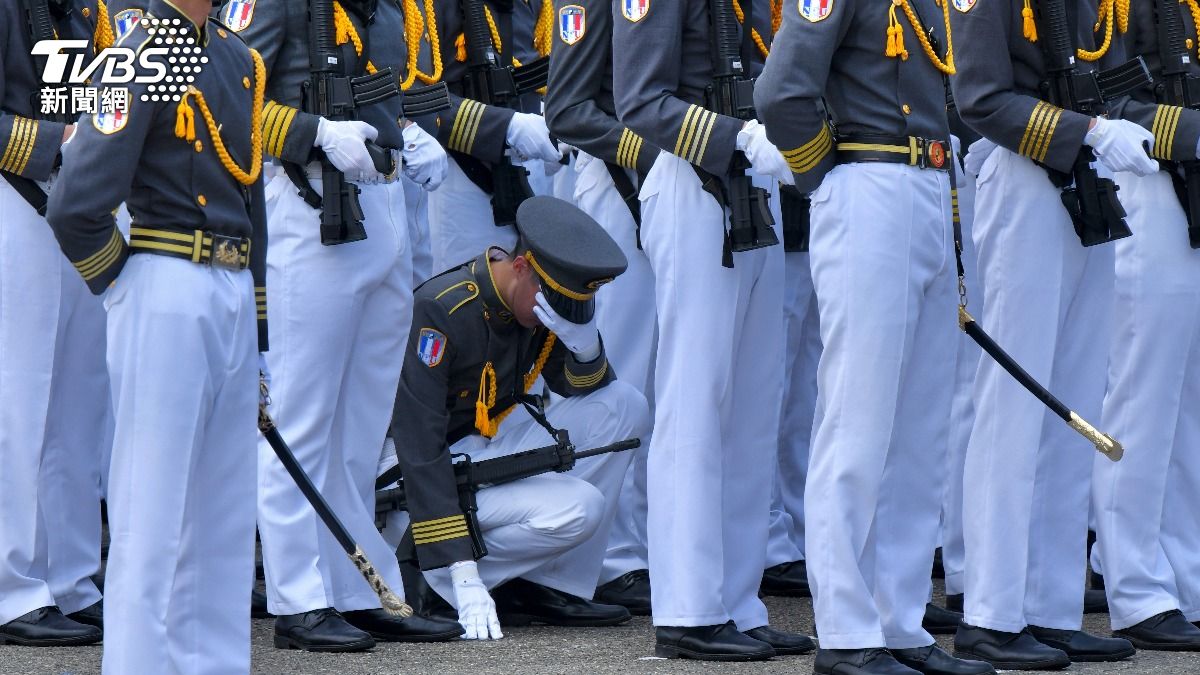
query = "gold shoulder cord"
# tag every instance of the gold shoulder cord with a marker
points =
(895, 39)
(776, 20)
(1111, 11)
(1194, 8)
(488, 426)
(185, 125)
(103, 38)
(543, 32)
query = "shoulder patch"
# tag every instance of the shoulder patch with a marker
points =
(238, 14)
(431, 347)
(636, 10)
(816, 10)
(125, 21)
(110, 122)
(572, 23)
(963, 5)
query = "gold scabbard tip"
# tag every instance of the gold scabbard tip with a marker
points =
(964, 318)
(391, 603)
(1105, 444)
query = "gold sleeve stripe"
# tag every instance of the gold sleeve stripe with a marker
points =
(694, 133)
(466, 124)
(628, 149)
(1035, 142)
(807, 156)
(445, 529)
(438, 522)
(446, 536)
(95, 264)
(277, 122)
(586, 381)
(1166, 123)
(20, 145)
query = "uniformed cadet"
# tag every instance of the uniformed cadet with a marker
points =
(1147, 540)
(482, 334)
(477, 136)
(183, 324)
(884, 276)
(343, 311)
(1025, 505)
(580, 111)
(54, 401)
(709, 462)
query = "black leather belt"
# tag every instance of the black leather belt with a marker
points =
(198, 246)
(923, 153)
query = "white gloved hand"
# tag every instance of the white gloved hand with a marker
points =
(476, 609)
(264, 378)
(977, 154)
(425, 162)
(1122, 145)
(554, 167)
(344, 144)
(530, 139)
(762, 153)
(581, 338)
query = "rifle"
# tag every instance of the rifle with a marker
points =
(491, 80)
(732, 94)
(1179, 87)
(1091, 201)
(470, 477)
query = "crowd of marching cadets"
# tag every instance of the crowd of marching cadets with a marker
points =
(708, 259)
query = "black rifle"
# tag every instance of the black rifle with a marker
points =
(1179, 87)
(1092, 201)
(470, 477)
(732, 94)
(491, 80)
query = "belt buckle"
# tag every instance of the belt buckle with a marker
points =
(935, 152)
(226, 252)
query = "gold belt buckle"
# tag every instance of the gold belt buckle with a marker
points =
(226, 252)
(936, 152)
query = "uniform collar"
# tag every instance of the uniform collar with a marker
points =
(495, 311)
(166, 9)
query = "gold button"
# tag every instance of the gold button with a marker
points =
(222, 33)
(471, 288)
(907, 110)
(86, 12)
(199, 146)
(200, 199)
(245, 83)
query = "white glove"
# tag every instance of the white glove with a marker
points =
(530, 139)
(344, 144)
(1122, 145)
(476, 609)
(977, 154)
(554, 167)
(581, 338)
(763, 155)
(425, 162)
(264, 378)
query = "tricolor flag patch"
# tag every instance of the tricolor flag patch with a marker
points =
(124, 21)
(110, 122)
(431, 347)
(238, 14)
(572, 23)
(815, 10)
(964, 5)
(634, 10)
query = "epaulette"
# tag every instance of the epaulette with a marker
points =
(457, 293)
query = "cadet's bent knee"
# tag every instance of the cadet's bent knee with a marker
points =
(629, 408)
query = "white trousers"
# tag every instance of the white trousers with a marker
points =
(802, 330)
(182, 357)
(54, 419)
(625, 315)
(717, 388)
(339, 322)
(1048, 302)
(1146, 504)
(883, 271)
(962, 409)
(461, 225)
(552, 529)
(416, 204)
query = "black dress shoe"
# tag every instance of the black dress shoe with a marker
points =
(630, 590)
(1007, 651)
(258, 606)
(321, 630)
(783, 642)
(789, 580)
(939, 621)
(932, 660)
(1081, 646)
(384, 626)
(47, 627)
(709, 643)
(1167, 631)
(954, 602)
(520, 603)
(1095, 601)
(875, 661)
(92, 615)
